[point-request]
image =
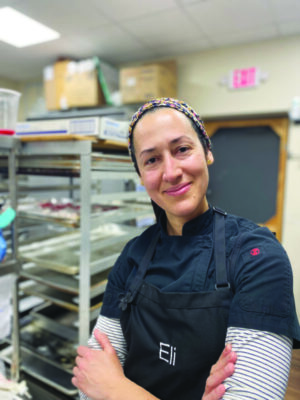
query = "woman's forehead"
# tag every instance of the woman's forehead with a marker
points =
(163, 127)
(163, 118)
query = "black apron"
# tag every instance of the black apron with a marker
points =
(173, 339)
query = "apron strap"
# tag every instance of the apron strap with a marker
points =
(141, 272)
(219, 255)
(220, 249)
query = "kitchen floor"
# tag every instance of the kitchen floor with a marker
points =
(293, 390)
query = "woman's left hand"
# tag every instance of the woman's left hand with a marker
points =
(224, 368)
(98, 372)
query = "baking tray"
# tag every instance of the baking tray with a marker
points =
(66, 283)
(62, 299)
(63, 254)
(36, 367)
(58, 320)
(69, 164)
(48, 346)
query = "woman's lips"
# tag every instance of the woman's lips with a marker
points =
(178, 190)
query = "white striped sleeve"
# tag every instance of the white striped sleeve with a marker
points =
(112, 328)
(262, 367)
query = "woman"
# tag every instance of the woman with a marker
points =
(195, 280)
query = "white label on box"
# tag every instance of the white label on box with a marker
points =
(84, 126)
(71, 67)
(103, 127)
(48, 73)
(114, 130)
(48, 127)
(131, 81)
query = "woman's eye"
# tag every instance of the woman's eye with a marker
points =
(183, 149)
(151, 161)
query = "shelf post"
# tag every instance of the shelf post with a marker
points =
(85, 247)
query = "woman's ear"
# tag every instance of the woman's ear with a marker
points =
(209, 158)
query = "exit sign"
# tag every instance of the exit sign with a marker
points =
(244, 78)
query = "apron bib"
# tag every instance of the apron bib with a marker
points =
(173, 339)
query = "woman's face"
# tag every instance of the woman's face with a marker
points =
(172, 164)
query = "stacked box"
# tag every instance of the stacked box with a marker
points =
(70, 84)
(139, 84)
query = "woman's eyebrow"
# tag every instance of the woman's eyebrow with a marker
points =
(173, 141)
(178, 139)
(147, 151)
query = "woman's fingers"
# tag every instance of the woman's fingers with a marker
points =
(227, 356)
(223, 369)
(104, 341)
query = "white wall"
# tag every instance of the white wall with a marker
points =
(200, 73)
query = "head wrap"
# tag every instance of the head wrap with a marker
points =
(170, 103)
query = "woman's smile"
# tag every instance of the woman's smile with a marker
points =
(178, 190)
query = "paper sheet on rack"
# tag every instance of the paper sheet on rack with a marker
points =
(6, 285)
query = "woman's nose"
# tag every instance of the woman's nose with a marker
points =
(171, 169)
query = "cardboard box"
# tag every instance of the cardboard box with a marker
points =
(54, 85)
(70, 84)
(139, 84)
(82, 87)
(43, 127)
(102, 127)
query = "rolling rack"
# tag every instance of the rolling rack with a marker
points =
(9, 148)
(67, 268)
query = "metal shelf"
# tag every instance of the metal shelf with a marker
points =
(69, 271)
(9, 147)
(57, 320)
(62, 254)
(43, 371)
(65, 283)
(65, 300)
(121, 112)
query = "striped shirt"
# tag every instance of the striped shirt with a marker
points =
(262, 367)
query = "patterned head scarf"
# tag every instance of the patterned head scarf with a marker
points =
(170, 103)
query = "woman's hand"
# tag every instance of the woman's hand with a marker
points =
(98, 373)
(224, 367)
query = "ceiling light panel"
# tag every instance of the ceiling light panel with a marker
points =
(20, 31)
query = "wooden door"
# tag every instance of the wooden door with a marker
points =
(247, 177)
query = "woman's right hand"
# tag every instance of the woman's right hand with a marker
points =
(224, 367)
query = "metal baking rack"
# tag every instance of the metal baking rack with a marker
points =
(9, 148)
(69, 271)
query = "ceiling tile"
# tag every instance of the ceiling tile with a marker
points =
(177, 49)
(222, 16)
(152, 29)
(289, 28)
(120, 10)
(245, 36)
(189, 2)
(286, 10)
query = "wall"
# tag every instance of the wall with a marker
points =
(32, 100)
(200, 74)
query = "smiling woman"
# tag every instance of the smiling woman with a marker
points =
(196, 280)
(173, 165)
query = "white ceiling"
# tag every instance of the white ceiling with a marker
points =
(121, 31)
